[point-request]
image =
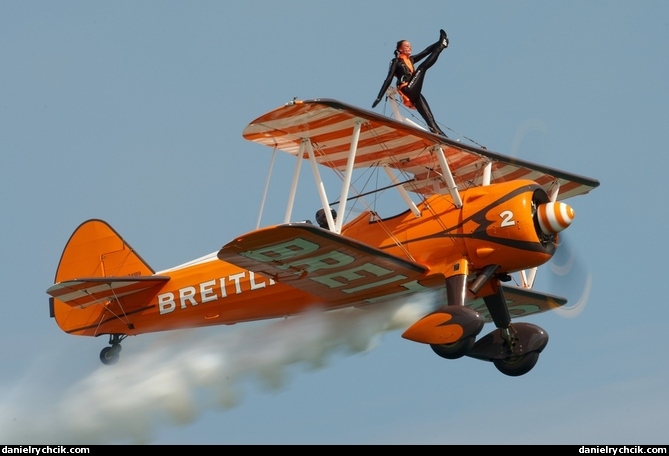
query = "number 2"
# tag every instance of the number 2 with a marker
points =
(507, 219)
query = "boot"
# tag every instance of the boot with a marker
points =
(443, 39)
(437, 131)
(434, 128)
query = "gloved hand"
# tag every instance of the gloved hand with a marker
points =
(376, 102)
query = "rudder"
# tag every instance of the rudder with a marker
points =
(94, 250)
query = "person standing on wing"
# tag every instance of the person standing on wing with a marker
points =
(410, 81)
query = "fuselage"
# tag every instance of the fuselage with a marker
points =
(495, 225)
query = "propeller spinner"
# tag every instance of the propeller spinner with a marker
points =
(554, 217)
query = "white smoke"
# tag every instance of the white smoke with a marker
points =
(172, 382)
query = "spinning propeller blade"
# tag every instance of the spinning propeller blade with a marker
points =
(570, 278)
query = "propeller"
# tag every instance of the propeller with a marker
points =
(565, 274)
(568, 276)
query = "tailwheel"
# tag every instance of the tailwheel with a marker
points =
(517, 365)
(456, 349)
(110, 355)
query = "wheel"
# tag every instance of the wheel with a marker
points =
(456, 349)
(517, 365)
(110, 355)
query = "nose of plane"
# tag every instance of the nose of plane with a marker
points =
(554, 217)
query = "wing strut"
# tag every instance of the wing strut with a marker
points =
(402, 190)
(319, 183)
(487, 172)
(554, 191)
(296, 178)
(334, 225)
(347, 175)
(264, 196)
(447, 176)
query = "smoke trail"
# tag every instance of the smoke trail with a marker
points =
(184, 374)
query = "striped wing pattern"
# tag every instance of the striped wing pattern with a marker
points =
(329, 125)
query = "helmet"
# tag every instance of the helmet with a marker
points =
(322, 220)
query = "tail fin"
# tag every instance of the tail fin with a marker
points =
(97, 267)
(95, 249)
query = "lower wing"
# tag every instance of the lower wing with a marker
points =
(521, 302)
(334, 268)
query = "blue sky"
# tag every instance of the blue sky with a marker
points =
(132, 112)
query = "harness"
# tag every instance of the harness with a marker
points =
(401, 83)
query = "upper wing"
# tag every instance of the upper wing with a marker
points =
(86, 291)
(329, 125)
(336, 269)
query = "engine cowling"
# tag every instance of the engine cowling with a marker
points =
(514, 225)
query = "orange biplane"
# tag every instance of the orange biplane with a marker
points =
(480, 217)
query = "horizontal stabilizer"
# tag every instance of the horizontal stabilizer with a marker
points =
(334, 268)
(83, 292)
(521, 302)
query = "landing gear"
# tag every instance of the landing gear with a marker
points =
(110, 355)
(455, 293)
(451, 330)
(513, 349)
(517, 365)
(456, 349)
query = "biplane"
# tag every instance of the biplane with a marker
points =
(474, 227)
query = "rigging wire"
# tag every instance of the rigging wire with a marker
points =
(421, 121)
